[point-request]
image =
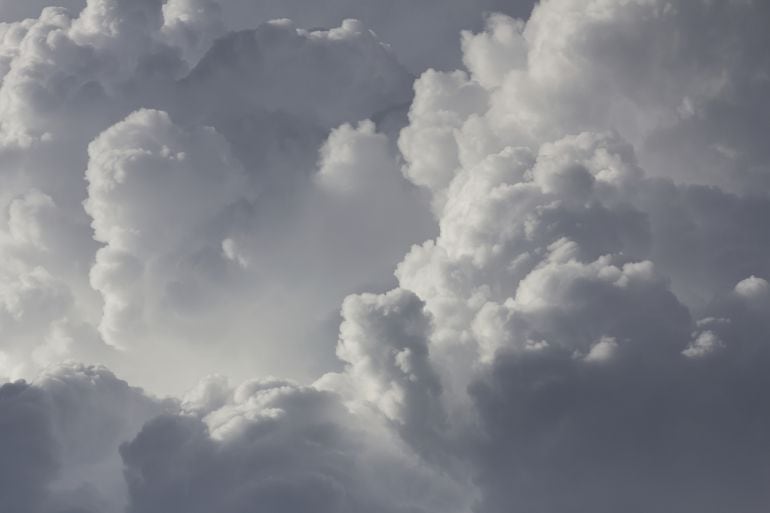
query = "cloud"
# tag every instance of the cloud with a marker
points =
(267, 441)
(356, 75)
(383, 341)
(25, 430)
(16, 10)
(575, 67)
(580, 323)
(423, 34)
(279, 446)
(60, 435)
(150, 190)
(192, 25)
(273, 94)
(560, 297)
(753, 289)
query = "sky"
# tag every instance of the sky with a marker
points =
(416, 256)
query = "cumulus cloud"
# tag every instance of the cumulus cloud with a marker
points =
(563, 289)
(558, 279)
(151, 186)
(555, 256)
(88, 89)
(754, 290)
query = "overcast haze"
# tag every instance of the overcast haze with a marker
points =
(358, 256)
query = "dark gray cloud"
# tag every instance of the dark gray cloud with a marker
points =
(563, 437)
(59, 437)
(29, 463)
(278, 447)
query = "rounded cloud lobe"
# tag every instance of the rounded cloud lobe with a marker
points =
(578, 316)
(151, 187)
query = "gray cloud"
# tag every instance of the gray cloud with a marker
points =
(25, 432)
(580, 323)
(60, 436)
(276, 446)
(423, 33)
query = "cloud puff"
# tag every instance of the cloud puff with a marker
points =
(575, 67)
(151, 187)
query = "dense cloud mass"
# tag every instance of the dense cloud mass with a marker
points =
(59, 436)
(162, 108)
(535, 234)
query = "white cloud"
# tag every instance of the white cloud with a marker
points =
(705, 343)
(753, 289)
(602, 351)
(153, 188)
